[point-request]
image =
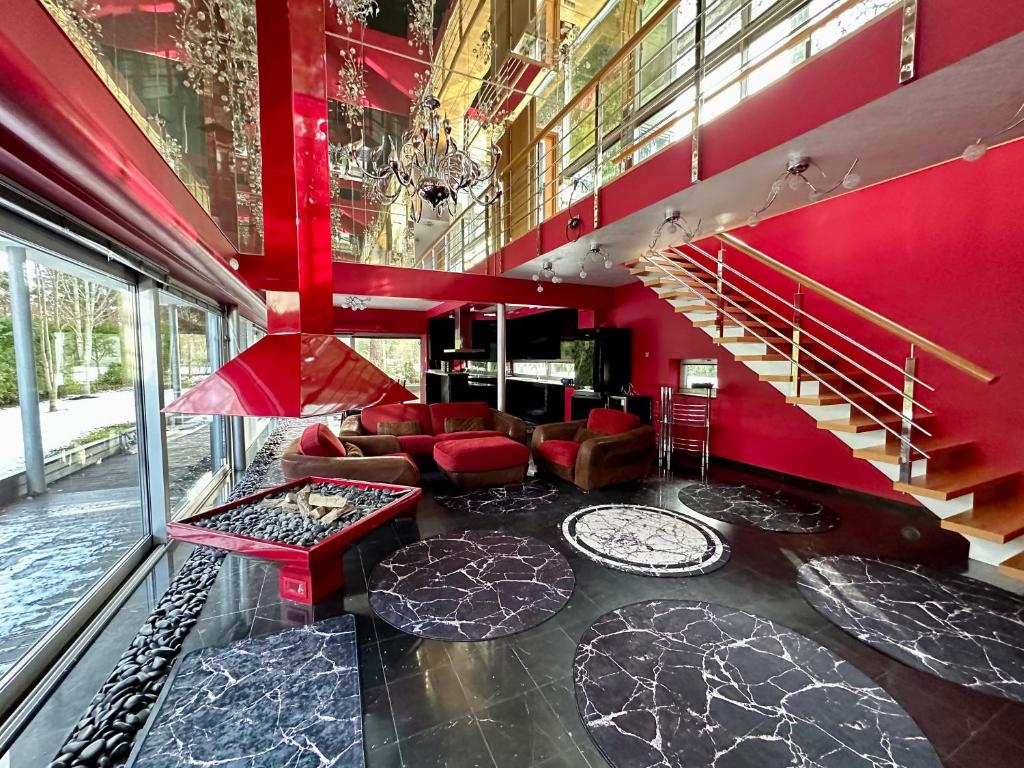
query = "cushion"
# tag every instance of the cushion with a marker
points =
(585, 434)
(417, 445)
(560, 452)
(370, 417)
(318, 440)
(484, 454)
(464, 424)
(441, 411)
(353, 450)
(398, 428)
(608, 421)
(470, 435)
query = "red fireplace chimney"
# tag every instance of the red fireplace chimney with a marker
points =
(300, 368)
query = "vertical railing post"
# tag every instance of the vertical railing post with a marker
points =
(720, 291)
(907, 420)
(665, 436)
(794, 366)
(598, 153)
(698, 89)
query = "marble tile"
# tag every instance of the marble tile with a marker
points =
(951, 626)
(768, 510)
(290, 699)
(646, 540)
(685, 683)
(529, 496)
(470, 585)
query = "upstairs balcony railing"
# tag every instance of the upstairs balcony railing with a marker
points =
(688, 62)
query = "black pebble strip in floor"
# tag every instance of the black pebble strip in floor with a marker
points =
(106, 731)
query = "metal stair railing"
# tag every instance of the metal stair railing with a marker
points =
(906, 443)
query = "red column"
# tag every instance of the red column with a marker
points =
(296, 185)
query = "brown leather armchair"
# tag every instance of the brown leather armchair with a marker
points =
(597, 461)
(381, 462)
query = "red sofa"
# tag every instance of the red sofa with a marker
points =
(431, 424)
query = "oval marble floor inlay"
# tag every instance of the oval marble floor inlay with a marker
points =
(678, 684)
(529, 496)
(758, 508)
(646, 540)
(954, 627)
(471, 585)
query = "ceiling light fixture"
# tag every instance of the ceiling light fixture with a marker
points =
(546, 272)
(977, 150)
(430, 167)
(596, 254)
(795, 178)
(674, 221)
(355, 302)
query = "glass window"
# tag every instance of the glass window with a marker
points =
(256, 428)
(191, 339)
(71, 502)
(399, 358)
(698, 375)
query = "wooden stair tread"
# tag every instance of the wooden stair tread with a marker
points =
(1013, 566)
(889, 453)
(831, 398)
(749, 339)
(999, 520)
(953, 483)
(769, 357)
(859, 422)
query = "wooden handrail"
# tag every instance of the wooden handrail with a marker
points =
(946, 355)
(629, 46)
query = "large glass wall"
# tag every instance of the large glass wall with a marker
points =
(400, 358)
(72, 502)
(196, 445)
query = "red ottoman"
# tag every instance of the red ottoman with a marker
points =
(482, 461)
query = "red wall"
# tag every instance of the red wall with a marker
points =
(938, 251)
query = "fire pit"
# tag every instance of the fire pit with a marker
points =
(303, 524)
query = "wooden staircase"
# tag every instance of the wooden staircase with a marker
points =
(852, 401)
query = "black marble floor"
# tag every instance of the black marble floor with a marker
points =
(509, 702)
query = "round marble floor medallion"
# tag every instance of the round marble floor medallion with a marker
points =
(646, 540)
(951, 626)
(677, 684)
(529, 496)
(471, 585)
(758, 508)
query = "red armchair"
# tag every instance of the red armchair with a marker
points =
(608, 447)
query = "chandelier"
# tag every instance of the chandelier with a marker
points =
(216, 41)
(430, 167)
(977, 149)
(546, 272)
(351, 87)
(795, 178)
(596, 254)
(350, 11)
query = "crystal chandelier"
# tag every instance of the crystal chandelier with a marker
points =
(217, 53)
(430, 167)
(794, 177)
(421, 26)
(350, 11)
(352, 87)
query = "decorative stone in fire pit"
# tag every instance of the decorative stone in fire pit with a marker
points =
(304, 524)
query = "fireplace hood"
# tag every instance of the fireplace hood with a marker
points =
(292, 374)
